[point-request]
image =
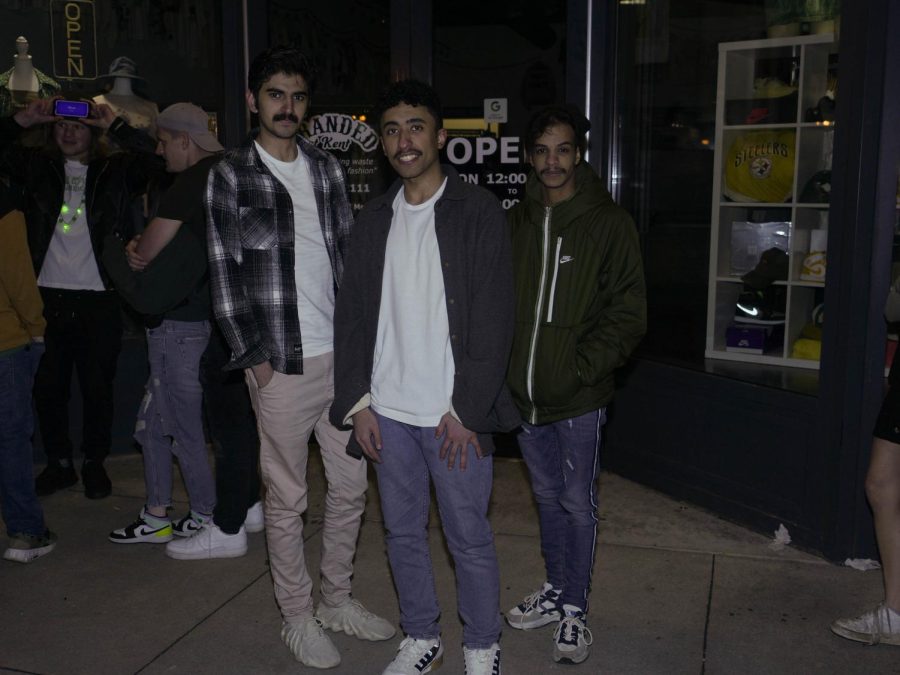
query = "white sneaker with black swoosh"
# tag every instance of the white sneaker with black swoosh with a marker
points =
(142, 532)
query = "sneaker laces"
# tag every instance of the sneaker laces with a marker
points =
(482, 657)
(408, 654)
(570, 629)
(534, 600)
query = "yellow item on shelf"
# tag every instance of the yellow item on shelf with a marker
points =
(804, 348)
(759, 167)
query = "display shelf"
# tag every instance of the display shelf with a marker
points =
(770, 189)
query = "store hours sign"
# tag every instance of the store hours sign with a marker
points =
(493, 163)
(74, 36)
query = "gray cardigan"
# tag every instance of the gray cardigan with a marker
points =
(473, 241)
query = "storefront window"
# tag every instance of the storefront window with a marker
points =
(349, 43)
(176, 48)
(507, 59)
(725, 117)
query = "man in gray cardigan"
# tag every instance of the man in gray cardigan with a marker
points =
(423, 327)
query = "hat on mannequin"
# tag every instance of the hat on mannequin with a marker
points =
(122, 66)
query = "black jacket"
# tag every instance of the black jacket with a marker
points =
(473, 240)
(113, 183)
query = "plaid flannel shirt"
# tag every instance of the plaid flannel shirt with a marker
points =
(250, 231)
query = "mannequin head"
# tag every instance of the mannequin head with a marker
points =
(121, 86)
(122, 71)
(22, 48)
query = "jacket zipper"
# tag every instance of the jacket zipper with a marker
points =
(553, 283)
(538, 310)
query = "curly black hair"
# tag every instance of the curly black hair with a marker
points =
(410, 92)
(553, 115)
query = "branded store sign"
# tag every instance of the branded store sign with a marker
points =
(74, 36)
(355, 144)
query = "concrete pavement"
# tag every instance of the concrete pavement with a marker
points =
(676, 590)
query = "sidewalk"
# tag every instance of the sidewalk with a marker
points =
(676, 590)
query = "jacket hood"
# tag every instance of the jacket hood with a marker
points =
(590, 194)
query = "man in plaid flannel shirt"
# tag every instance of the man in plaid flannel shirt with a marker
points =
(278, 229)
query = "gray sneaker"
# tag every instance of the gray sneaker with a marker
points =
(538, 609)
(24, 548)
(309, 644)
(354, 619)
(879, 625)
(572, 639)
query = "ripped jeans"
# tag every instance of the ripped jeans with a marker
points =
(563, 460)
(170, 419)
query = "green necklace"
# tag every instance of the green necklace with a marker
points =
(68, 215)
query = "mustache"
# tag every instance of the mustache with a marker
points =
(407, 152)
(555, 170)
(281, 117)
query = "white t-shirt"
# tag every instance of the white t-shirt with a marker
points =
(70, 261)
(412, 374)
(312, 266)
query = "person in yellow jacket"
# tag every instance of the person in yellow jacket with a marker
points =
(21, 346)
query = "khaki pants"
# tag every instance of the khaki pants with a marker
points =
(288, 409)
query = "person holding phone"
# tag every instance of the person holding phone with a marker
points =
(73, 196)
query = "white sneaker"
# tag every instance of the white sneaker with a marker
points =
(209, 542)
(309, 644)
(24, 548)
(354, 619)
(416, 657)
(879, 625)
(482, 661)
(255, 521)
(141, 531)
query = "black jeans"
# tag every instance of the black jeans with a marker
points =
(84, 332)
(232, 427)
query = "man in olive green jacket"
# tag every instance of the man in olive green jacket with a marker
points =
(580, 311)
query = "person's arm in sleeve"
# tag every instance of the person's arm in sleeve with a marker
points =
(165, 282)
(622, 323)
(482, 371)
(17, 278)
(351, 376)
(231, 305)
